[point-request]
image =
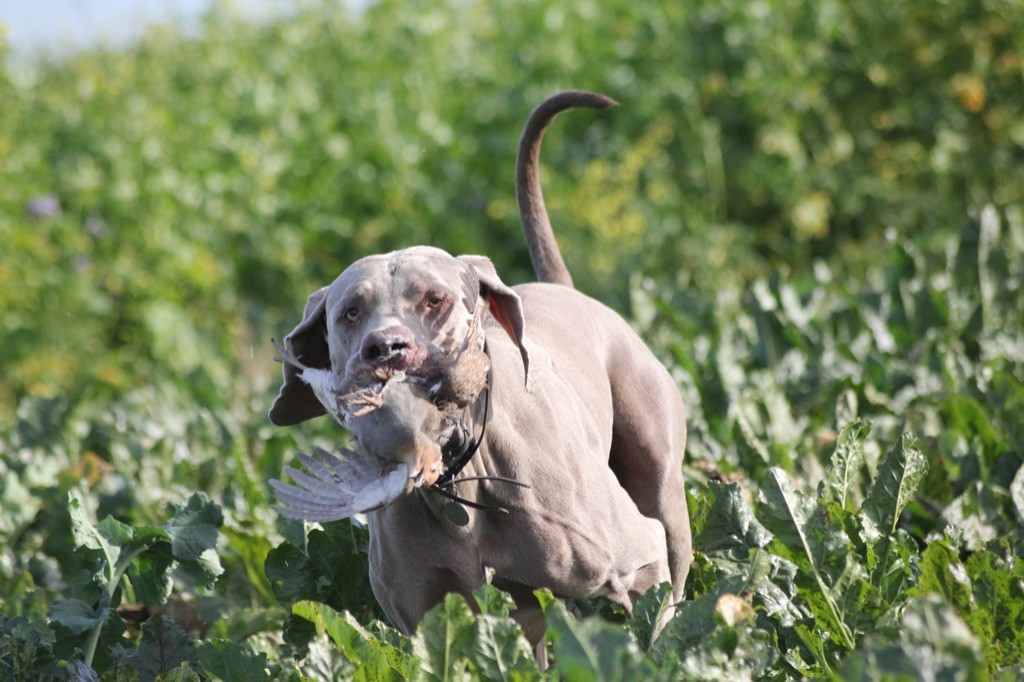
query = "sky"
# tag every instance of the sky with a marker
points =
(60, 26)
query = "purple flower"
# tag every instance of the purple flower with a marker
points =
(95, 226)
(44, 206)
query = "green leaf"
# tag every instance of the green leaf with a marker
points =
(106, 539)
(590, 649)
(231, 662)
(26, 646)
(715, 637)
(492, 601)
(150, 575)
(193, 528)
(117, 544)
(981, 514)
(17, 505)
(193, 531)
(333, 569)
(183, 673)
(443, 641)
(730, 528)
(324, 661)
(648, 613)
(693, 622)
(163, 647)
(77, 616)
(500, 650)
(942, 573)
(731, 653)
(817, 542)
(899, 474)
(997, 585)
(840, 482)
(895, 569)
(934, 643)
(373, 658)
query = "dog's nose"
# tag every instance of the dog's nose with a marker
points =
(385, 345)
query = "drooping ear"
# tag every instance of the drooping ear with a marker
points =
(505, 305)
(296, 401)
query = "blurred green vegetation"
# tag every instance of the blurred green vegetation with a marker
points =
(811, 211)
(208, 182)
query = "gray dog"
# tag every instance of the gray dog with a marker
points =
(569, 401)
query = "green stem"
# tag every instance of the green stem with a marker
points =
(90, 644)
(127, 590)
(118, 573)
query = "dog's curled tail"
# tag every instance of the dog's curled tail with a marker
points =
(540, 239)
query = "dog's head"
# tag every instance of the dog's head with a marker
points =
(413, 311)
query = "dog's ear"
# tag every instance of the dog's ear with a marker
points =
(505, 305)
(296, 401)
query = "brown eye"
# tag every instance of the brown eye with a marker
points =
(352, 314)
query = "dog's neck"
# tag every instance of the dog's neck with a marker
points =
(464, 443)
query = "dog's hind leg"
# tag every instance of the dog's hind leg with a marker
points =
(648, 441)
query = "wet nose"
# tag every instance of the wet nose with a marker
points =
(384, 345)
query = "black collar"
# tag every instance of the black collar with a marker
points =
(462, 445)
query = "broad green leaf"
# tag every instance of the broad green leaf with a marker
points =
(492, 601)
(841, 480)
(744, 652)
(715, 637)
(942, 573)
(997, 585)
(183, 673)
(934, 643)
(648, 613)
(77, 616)
(26, 647)
(118, 544)
(500, 650)
(193, 528)
(333, 569)
(694, 620)
(107, 538)
(373, 658)
(985, 591)
(730, 528)
(980, 515)
(225, 660)
(150, 575)
(163, 647)
(324, 662)
(17, 505)
(590, 649)
(772, 579)
(893, 563)
(443, 641)
(817, 542)
(899, 474)
(193, 531)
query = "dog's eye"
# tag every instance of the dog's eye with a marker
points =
(352, 314)
(435, 302)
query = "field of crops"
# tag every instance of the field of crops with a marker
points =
(812, 212)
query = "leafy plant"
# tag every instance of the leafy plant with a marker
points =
(812, 212)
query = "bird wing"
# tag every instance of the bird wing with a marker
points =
(333, 487)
